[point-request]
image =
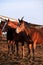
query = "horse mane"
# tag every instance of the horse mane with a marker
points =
(31, 29)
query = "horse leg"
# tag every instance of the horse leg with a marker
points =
(28, 51)
(12, 47)
(35, 41)
(8, 46)
(33, 51)
(17, 48)
(23, 49)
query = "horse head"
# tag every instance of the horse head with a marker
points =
(21, 26)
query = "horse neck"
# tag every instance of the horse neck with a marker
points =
(27, 30)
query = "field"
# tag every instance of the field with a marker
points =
(6, 59)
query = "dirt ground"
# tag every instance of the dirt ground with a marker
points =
(12, 59)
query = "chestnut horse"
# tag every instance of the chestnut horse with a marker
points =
(23, 28)
(34, 33)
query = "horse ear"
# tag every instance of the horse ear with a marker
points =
(19, 20)
(22, 18)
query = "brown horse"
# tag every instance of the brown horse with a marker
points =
(23, 28)
(9, 27)
(34, 33)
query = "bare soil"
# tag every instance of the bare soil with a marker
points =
(12, 59)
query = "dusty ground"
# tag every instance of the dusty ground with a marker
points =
(6, 59)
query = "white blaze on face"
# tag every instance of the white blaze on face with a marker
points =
(20, 29)
(17, 30)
